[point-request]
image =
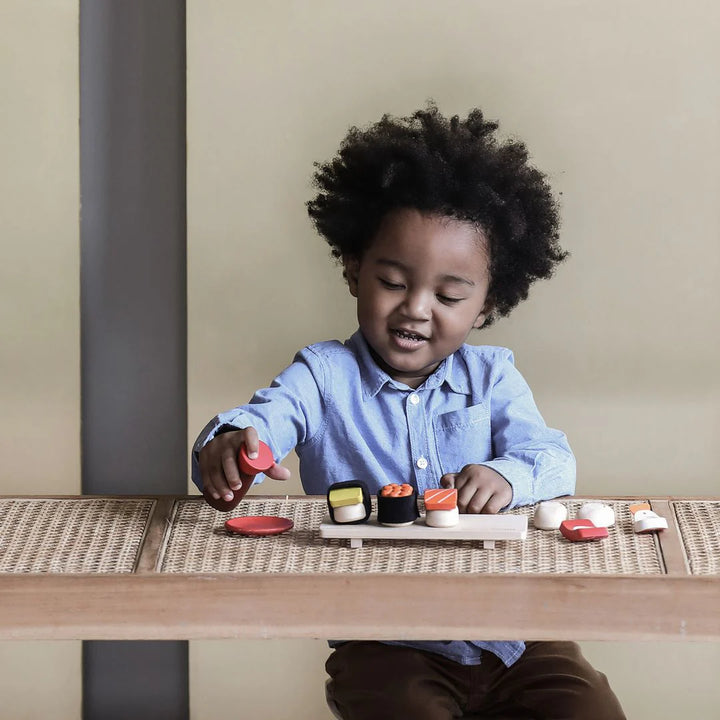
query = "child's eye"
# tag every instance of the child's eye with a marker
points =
(391, 285)
(448, 300)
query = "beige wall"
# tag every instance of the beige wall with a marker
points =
(39, 306)
(619, 102)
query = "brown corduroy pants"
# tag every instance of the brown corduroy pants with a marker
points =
(551, 680)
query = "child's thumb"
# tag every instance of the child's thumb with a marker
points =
(278, 472)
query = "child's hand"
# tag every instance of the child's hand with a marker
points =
(219, 463)
(480, 489)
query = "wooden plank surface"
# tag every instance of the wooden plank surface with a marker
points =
(670, 543)
(155, 535)
(448, 607)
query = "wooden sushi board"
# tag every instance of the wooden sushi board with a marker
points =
(487, 528)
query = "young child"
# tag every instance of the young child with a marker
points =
(440, 228)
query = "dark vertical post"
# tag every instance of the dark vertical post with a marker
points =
(133, 304)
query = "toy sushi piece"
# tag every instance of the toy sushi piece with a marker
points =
(397, 505)
(349, 502)
(645, 520)
(601, 514)
(549, 514)
(441, 510)
(582, 530)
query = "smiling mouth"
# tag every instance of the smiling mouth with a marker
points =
(406, 335)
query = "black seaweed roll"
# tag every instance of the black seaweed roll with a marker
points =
(397, 505)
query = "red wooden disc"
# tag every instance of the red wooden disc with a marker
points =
(252, 466)
(258, 525)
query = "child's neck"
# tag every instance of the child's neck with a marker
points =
(413, 380)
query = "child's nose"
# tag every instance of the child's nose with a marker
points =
(417, 306)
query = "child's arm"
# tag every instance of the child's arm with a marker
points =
(530, 461)
(284, 415)
(219, 467)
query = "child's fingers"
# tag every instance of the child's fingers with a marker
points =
(252, 442)
(222, 485)
(216, 484)
(278, 472)
(230, 468)
(207, 474)
(448, 480)
(466, 491)
(495, 504)
(472, 499)
(481, 502)
(218, 465)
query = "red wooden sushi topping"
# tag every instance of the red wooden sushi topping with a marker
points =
(396, 490)
(440, 499)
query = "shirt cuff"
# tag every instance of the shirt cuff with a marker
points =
(519, 477)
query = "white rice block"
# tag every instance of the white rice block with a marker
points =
(442, 518)
(600, 514)
(549, 515)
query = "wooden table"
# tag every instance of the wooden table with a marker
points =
(134, 591)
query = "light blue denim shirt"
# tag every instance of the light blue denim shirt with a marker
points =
(348, 420)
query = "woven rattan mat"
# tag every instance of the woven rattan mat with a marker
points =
(699, 523)
(198, 543)
(93, 535)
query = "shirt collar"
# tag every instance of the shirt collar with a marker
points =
(373, 378)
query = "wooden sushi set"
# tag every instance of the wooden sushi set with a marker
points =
(398, 516)
(350, 510)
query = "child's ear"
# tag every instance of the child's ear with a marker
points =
(483, 316)
(351, 270)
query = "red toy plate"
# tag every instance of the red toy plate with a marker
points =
(252, 466)
(258, 525)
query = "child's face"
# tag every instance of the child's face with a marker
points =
(421, 287)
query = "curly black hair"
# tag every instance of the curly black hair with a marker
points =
(451, 167)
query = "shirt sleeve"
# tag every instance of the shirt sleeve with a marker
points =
(536, 460)
(286, 414)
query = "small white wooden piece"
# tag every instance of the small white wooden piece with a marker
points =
(349, 513)
(442, 518)
(487, 528)
(648, 521)
(549, 515)
(599, 514)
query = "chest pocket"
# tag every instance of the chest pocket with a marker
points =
(462, 437)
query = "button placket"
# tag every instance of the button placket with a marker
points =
(418, 441)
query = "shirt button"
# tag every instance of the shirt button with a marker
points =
(422, 463)
(414, 399)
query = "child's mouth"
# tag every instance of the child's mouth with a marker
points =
(407, 335)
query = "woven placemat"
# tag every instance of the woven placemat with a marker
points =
(198, 543)
(699, 524)
(93, 535)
